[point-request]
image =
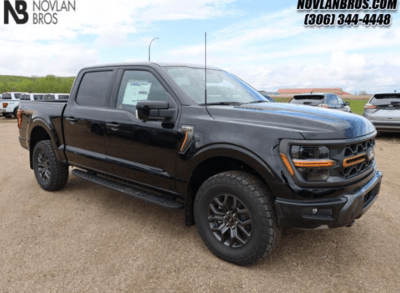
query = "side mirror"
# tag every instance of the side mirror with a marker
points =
(154, 110)
(347, 104)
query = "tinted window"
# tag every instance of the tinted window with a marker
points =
(63, 97)
(311, 100)
(49, 97)
(139, 86)
(17, 95)
(93, 88)
(6, 97)
(25, 97)
(308, 97)
(331, 100)
(384, 99)
(38, 97)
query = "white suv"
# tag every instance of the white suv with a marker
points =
(9, 104)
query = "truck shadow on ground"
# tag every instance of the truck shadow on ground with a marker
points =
(294, 248)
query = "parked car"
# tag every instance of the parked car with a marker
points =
(31, 97)
(240, 166)
(9, 104)
(56, 97)
(330, 101)
(383, 110)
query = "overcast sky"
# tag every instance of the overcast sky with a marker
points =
(263, 42)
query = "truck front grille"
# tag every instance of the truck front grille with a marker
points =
(356, 158)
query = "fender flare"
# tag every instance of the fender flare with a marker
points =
(229, 151)
(55, 140)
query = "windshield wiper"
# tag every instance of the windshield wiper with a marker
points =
(221, 103)
(255, 102)
(259, 101)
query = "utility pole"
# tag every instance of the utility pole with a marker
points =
(150, 46)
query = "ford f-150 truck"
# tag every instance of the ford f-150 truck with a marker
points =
(241, 167)
(9, 104)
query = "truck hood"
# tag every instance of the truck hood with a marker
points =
(311, 122)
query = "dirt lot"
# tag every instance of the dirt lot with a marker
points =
(87, 238)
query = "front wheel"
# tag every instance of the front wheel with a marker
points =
(50, 173)
(236, 217)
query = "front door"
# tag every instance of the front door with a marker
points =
(143, 152)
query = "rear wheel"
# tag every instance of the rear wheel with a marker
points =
(15, 112)
(50, 173)
(236, 217)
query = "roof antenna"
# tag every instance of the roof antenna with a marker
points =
(205, 72)
(205, 69)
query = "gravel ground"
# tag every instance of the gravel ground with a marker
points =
(87, 238)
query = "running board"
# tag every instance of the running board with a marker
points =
(144, 195)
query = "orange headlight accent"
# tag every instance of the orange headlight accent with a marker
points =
(19, 118)
(354, 160)
(313, 163)
(287, 164)
(184, 141)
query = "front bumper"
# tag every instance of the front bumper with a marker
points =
(332, 213)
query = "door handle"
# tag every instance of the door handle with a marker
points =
(71, 120)
(113, 126)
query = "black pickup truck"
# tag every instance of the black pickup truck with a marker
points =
(241, 167)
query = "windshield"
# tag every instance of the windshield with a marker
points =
(222, 87)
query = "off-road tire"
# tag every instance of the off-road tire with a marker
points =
(58, 171)
(254, 194)
(15, 112)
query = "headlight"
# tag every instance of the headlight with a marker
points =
(309, 152)
(312, 162)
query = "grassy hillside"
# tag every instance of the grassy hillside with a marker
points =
(48, 84)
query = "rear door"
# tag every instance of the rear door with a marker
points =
(84, 116)
(143, 152)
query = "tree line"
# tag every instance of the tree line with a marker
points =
(34, 84)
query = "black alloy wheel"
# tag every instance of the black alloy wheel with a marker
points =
(236, 217)
(43, 166)
(51, 174)
(229, 220)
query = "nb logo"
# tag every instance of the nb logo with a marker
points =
(20, 9)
